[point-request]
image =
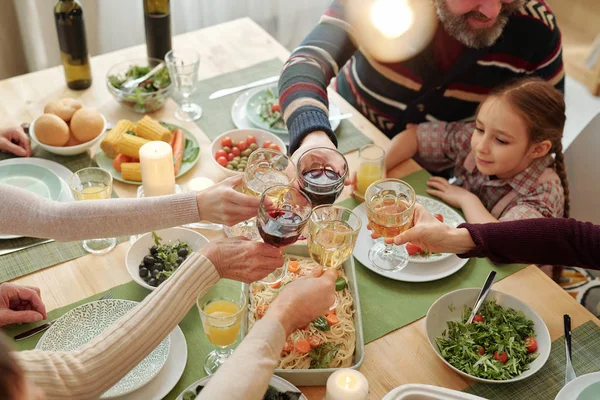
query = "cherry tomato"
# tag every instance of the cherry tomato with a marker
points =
(250, 139)
(267, 144)
(440, 217)
(502, 357)
(275, 107)
(481, 350)
(288, 347)
(220, 153)
(478, 318)
(230, 157)
(413, 249)
(314, 341)
(236, 151)
(226, 142)
(222, 161)
(243, 145)
(531, 344)
(275, 147)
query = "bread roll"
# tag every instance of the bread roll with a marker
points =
(86, 124)
(51, 130)
(72, 141)
(63, 108)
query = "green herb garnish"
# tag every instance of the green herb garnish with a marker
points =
(323, 354)
(321, 324)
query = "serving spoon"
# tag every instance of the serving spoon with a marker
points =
(482, 295)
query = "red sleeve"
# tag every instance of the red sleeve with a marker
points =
(554, 241)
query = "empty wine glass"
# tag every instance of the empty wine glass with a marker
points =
(390, 204)
(183, 67)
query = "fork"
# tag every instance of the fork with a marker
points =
(41, 328)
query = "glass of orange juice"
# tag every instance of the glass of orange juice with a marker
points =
(93, 184)
(222, 310)
(370, 168)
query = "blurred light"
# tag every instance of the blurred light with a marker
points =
(391, 17)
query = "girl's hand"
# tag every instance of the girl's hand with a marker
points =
(15, 141)
(453, 195)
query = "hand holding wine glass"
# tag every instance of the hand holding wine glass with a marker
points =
(322, 172)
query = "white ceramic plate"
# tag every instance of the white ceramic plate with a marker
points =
(241, 121)
(141, 248)
(417, 391)
(168, 376)
(451, 218)
(449, 307)
(84, 323)
(62, 172)
(278, 383)
(574, 390)
(413, 272)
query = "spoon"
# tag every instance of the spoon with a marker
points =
(482, 295)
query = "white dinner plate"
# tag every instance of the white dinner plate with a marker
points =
(417, 391)
(62, 172)
(574, 390)
(168, 376)
(241, 121)
(278, 383)
(413, 272)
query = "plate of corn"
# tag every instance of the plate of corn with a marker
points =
(119, 150)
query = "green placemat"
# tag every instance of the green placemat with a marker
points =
(216, 117)
(197, 344)
(20, 263)
(548, 381)
(388, 305)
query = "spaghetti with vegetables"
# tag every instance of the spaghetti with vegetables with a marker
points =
(327, 342)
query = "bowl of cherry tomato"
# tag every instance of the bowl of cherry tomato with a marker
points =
(230, 150)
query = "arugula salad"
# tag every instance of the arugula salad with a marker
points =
(499, 344)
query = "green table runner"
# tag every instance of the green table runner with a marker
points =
(388, 304)
(20, 263)
(548, 381)
(216, 117)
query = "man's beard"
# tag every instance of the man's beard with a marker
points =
(459, 27)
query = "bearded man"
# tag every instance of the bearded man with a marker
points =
(478, 45)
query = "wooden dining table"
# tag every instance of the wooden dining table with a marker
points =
(400, 357)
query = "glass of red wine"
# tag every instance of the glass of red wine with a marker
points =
(321, 174)
(283, 213)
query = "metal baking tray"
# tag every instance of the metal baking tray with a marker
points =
(318, 377)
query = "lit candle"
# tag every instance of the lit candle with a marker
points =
(347, 384)
(156, 163)
(198, 184)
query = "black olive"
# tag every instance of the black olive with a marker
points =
(162, 279)
(154, 250)
(153, 282)
(182, 252)
(149, 261)
(159, 266)
(154, 273)
(142, 265)
(143, 272)
(180, 260)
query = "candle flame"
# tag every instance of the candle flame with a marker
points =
(391, 17)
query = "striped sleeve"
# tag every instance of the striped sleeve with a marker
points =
(307, 73)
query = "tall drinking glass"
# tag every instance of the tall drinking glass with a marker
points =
(265, 168)
(321, 174)
(370, 168)
(222, 310)
(183, 67)
(93, 184)
(390, 204)
(282, 215)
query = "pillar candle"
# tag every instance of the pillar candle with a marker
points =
(156, 163)
(347, 384)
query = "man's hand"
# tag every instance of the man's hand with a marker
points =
(316, 139)
(20, 304)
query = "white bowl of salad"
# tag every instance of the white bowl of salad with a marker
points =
(507, 341)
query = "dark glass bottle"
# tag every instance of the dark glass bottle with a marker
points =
(157, 20)
(68, 16)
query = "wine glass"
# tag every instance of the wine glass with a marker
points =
(265, 168)
(93, 184)
(370, 168)
(183, 67)
(390, 204)
(321, 174)
(282, 215)
(222, 310)
(332, 236)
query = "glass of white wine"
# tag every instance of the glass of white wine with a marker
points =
(93, 184)
(265, 168)
(390, 204)
(332, 236)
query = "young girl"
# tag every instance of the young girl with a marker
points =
(503, 161)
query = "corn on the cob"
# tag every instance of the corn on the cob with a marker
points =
(131, 171)
(109, 143)
(151, 129)
(130, 145)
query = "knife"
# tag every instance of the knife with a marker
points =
(34, 331)
(569, 371)
(8, 251)
(226, 92)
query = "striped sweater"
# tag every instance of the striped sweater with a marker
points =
(391, 95)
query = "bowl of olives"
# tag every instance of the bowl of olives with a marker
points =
(155, 256)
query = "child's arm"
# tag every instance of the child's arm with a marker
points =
(474, 210)
(403, 147)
